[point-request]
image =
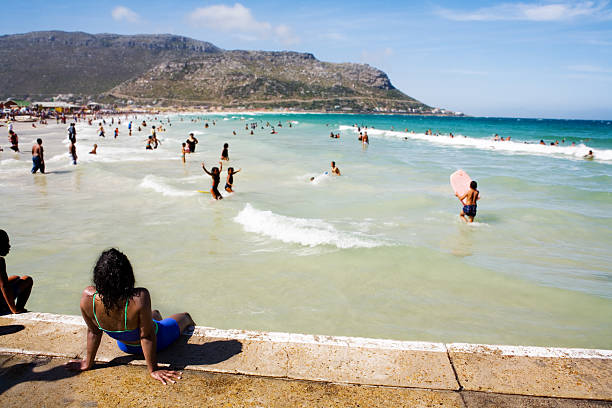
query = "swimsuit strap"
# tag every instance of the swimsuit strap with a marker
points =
(93, 301)
(125, 318)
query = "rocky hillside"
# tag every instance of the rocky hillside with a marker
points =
(47, 63)
(173, 70)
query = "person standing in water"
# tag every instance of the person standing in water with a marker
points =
(72, 133)
(183, 151)
(215, 173)
(334, 169)
(191, 142)
(469, 205)
(230, 179)
(38, 157)
(224, 152)
(72, 151)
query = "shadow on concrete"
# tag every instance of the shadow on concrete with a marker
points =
(24, 372)
(11, 329)
(182, 354)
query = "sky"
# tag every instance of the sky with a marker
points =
(549, 59)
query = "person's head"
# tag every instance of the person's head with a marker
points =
(590, 152)
(333, 164)
(225, 145)
(473, 184)
(5, 245)
(184, 144)
(191, 135)
(95, 146)
(150, 137)
(230, 170)
(215, 170)
(113, 278)
(39, 141)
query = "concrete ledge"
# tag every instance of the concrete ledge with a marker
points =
(537, 371)
(528, 371)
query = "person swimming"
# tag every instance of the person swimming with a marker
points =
(589, 156)
(469, 205)
(136, 327)
(230, 179)
(215, 174)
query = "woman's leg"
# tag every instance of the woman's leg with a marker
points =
(184, 320)
(22, 286)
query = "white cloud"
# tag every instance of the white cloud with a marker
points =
(240, 22)
(121, 13)
(541, 11)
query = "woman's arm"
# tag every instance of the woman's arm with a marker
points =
(94, 335)
(148, 340)
(206, 171)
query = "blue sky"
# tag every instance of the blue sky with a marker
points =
(490, 58)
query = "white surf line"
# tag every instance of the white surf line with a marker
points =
(355, 342)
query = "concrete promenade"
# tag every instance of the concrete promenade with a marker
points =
(245, 368)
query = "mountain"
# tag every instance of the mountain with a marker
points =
(175, 70)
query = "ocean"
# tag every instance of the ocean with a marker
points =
(377, 252)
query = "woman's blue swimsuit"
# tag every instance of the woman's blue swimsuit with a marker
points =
(167, 332)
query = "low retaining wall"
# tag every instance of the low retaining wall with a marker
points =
(532, 371)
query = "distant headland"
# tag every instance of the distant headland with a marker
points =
(157, 71)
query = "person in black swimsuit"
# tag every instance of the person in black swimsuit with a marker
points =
(191, 142)
(230, 179)
(215, 173)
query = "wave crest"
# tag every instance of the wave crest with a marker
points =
(303, 231)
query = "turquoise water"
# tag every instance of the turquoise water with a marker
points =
(377, 252)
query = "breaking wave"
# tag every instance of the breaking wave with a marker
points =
(303, 231)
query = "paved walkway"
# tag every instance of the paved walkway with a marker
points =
(240, 368)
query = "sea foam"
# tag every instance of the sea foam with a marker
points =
(574, 152)
(157, 184)
(303, 231)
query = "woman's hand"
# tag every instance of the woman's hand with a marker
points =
(77, 365)
(166, 376)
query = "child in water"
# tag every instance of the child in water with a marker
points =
(215, 173)
(469, 205)
(183, 150)
(225, 153)
(230, 179)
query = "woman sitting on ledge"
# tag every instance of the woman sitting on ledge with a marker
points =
(113, 305)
